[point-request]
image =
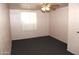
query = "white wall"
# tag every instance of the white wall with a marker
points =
(5, 41)
(16, 27)
(73, 36)
(59, 24)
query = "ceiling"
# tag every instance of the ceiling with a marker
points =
(35, 6)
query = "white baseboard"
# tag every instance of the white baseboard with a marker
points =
(5, 53)
(58, 39)
(71, 51)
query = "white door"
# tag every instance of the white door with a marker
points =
(73, 28)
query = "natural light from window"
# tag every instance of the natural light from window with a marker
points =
(29, 20)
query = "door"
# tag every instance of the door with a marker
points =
(73, 28)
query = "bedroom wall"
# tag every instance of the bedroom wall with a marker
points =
(16, 27)
(5, 39)
(73, 28)
(59, 24)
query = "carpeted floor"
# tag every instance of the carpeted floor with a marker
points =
(39, 46)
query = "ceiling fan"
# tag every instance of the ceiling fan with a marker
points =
(46, 7)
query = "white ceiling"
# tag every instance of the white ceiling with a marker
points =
(34, 6)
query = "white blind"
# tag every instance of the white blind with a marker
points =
(29, 20)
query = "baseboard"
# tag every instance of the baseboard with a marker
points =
(30, 38)
(70, 51)
(5, 53)
(58, 40)
(40, 37)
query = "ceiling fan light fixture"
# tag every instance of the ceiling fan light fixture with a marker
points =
(45, 7)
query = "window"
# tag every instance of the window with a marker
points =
(29, 20)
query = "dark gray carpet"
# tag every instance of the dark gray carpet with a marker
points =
(39, 46)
